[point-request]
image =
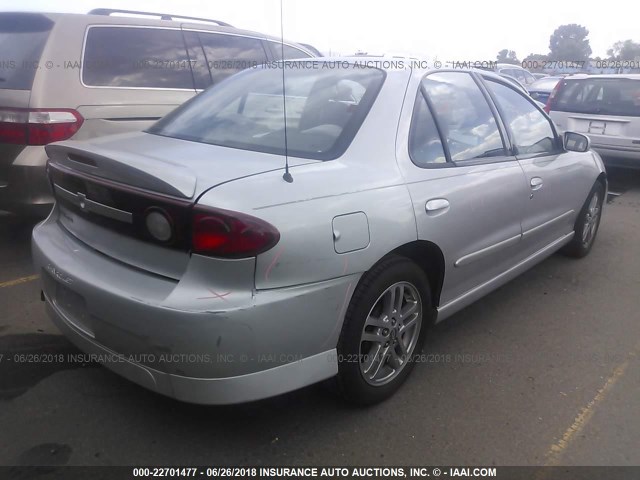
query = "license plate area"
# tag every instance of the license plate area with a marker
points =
(598, 127)
(70, 303)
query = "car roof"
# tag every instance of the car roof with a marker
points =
(629, 76)
(398, 63)
(146, 21)
(508, 65)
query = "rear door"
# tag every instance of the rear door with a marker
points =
(22, 39)
(468, 192)
(606, 109)
(556, 180)
(135, 75)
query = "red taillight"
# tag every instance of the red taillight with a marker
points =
(221, 233)
(38, 126)
(549, 105)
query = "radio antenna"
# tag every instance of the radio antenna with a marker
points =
(287, 176)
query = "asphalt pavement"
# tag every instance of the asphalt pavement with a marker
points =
(546, 370)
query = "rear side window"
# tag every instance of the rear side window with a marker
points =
(602, 96)
(532, 132)
(464, 116)
(136, 58)
(22, 40)
(229, 54)
(324, 110)
(290, 53)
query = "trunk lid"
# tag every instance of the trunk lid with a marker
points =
(165, 165)
(106, 187)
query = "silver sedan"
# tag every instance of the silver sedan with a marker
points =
(293, 225)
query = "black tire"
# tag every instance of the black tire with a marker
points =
(350, 381)
(579, 247)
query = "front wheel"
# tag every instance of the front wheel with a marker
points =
(587, 224)
(384, 326)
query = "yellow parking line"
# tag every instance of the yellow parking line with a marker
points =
(556, 450)
(18, 281)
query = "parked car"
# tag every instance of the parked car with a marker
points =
(604, 107)
(522, 75)
(521, 87)
(247, 244)
(82, 76)
(538, 76)
(541, 89)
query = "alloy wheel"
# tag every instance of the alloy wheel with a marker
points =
(390, 333)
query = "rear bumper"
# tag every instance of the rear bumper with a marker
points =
(24, 188)
(619, 157)
(206, 391)
(180, 338)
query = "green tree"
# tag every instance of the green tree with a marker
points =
(507, 56)
(569, 43)
(534, 62)
(624, 50)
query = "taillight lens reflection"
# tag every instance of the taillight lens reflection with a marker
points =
(226, 234)
(21, 126)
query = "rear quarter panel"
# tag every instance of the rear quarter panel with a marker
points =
(365, 179)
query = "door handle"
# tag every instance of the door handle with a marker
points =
(437, 204)
(536, 183)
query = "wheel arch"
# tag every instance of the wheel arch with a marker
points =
(602, 178)
(429, 257)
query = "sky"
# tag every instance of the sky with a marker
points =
(440, 29)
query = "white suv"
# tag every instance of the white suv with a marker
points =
(604, 107)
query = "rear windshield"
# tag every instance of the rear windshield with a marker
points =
(604, 96)
(324, 110)
(22, 39)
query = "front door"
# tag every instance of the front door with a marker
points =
(553, 176)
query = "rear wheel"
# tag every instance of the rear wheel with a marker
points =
(587, 224)
(384, 326)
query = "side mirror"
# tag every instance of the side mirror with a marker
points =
(576, 142)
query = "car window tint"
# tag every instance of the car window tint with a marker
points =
(324, 109)
(229, 54)
(290, 53)
(425, 146)
(466, 121)
(532, 132)
(199, 66)
(22, 39)
(603, 96)
(519, 74)
(528, 78)
(136, 57)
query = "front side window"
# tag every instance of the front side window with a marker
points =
(290, 53)
(136, 58)
(324, 110)
(531, 130)
(425, 146)
(465, 119)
